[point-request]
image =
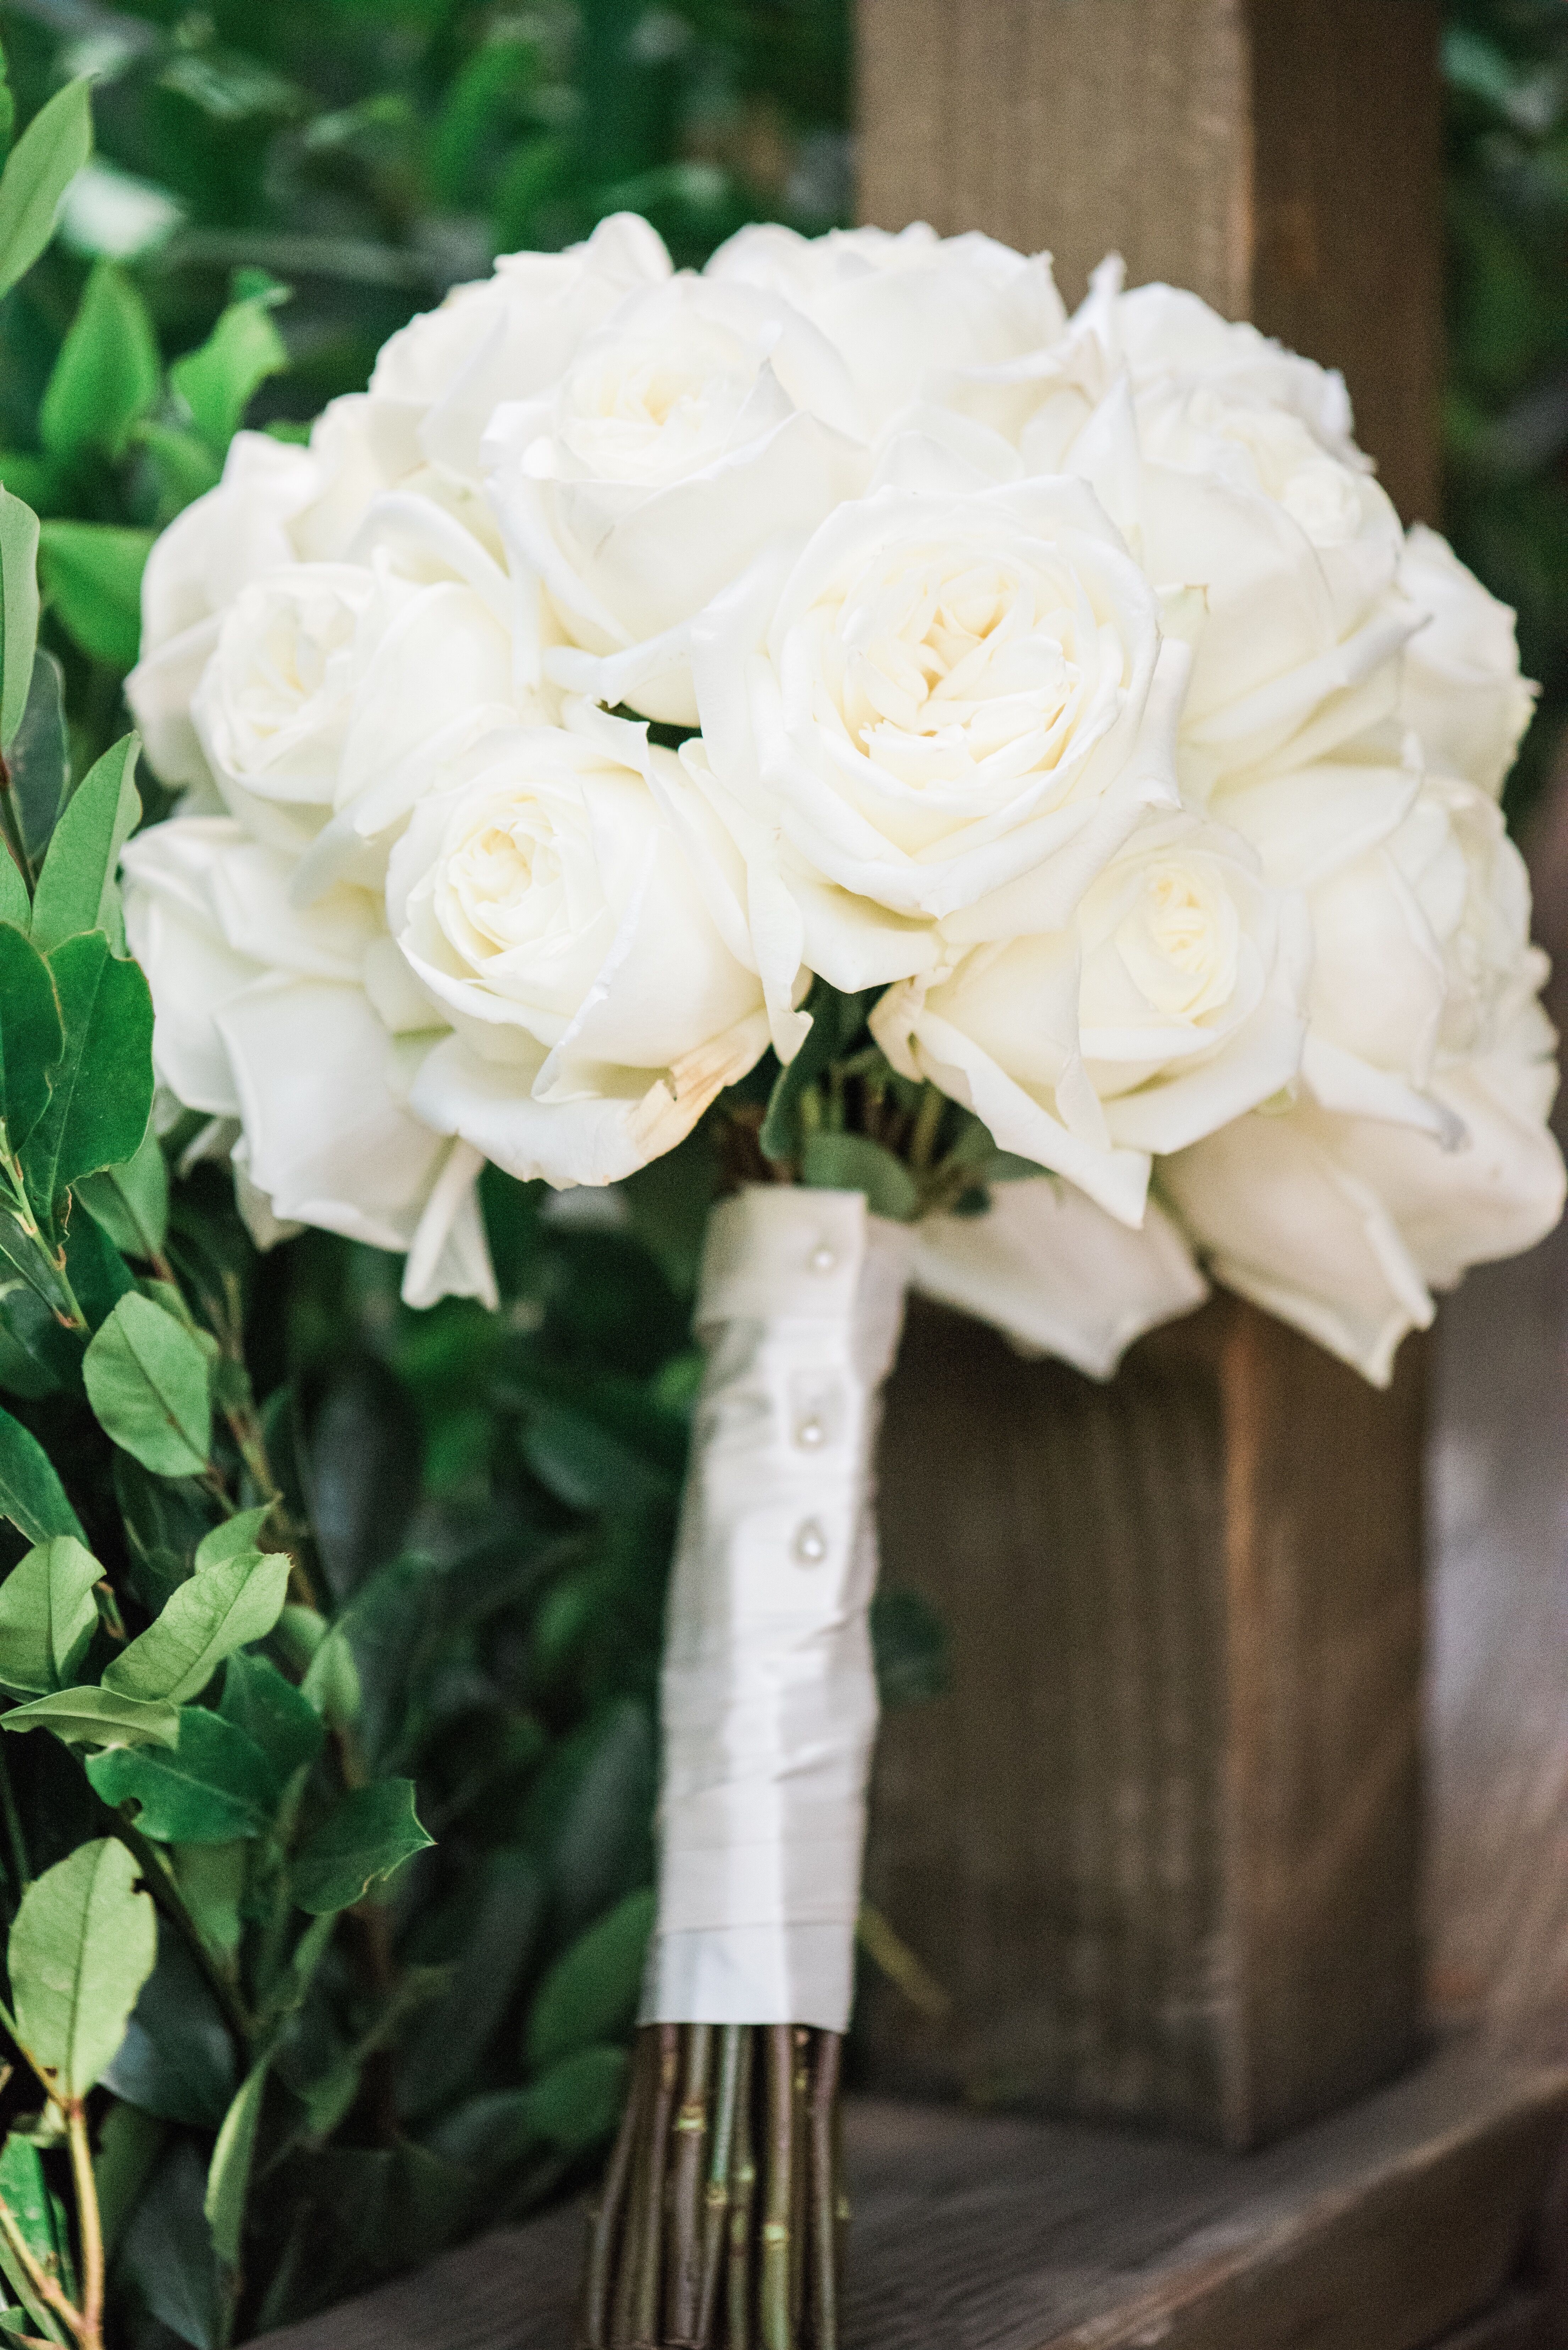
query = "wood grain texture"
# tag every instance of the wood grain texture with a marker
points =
(1382, 2230)
(1160, 1842)
(1279, 157)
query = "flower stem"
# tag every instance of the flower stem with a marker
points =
(89, 2227)
(684, 2288)
(775, 2327)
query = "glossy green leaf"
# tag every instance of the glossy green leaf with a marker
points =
(150, 1386)
(47, 1617)
(280, 1718)
(231, 1535)
(166, 2251)
(102, 1095)
(331, 1682)
(229, 2175)
(212, 1786)
(853, 1162)
(211, 1879)
(31, 1494)
(217, 381)
(40, 2222)
(93, 1716)
(109, 373)
(41, 167)
(38, 1358)
(83, 1944)
(36, 756)
(18, 610)
(177, 2059)
(578, 2103)
(130, 2143)
(77, 889)
(91, 575)
(130, 1203)
(591, 1992)
(371, 1833)
(205, 1620)
(98, 1272)
(31, 1038)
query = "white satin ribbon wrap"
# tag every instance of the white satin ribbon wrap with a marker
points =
(769, 1694)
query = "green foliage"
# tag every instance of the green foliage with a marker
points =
(47, 1617)
(40, 169)
(82, 1945)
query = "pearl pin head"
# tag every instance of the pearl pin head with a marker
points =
(823, 1259)
(810, 1543)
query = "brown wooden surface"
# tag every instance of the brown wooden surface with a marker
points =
(1385, 2228)
(1280, 158)
(1160, 1842)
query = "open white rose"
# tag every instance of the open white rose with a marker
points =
(1421, 914)
(947, 710)
(1168, 1004)
(1461, 689)
(700, 423)
(438, 380)
(902, 308)
(548, 907)
(1343, 1226)
(340, 687)
(263, 1015)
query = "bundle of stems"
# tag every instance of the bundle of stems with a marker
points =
(721, 2222)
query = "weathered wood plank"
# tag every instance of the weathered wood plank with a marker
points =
(1159, 1843)
(1384, 2229)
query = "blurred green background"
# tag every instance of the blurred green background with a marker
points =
(493, 1496)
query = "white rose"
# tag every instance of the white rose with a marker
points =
(903, 308)
(339, 687)
(1461, 691)
(1169, 1004)
(262, 1015)
(1420, 915)
(701, 423)
(1056, 1275)
(1344, 1225)
(1165, 330)
(946, 709)
(238, 532)
(548, 907)
(439, 380)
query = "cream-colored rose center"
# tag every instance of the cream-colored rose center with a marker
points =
(940, 664)
(1179, 940)
(293, 665)
(656, 412)
(502, 886)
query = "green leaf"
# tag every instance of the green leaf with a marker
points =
(83, 1944)
(109, 373)
(77, 889)
(97, 1716)
(31, 1494)
(151, 1389)
(91, 574)
(214, 1785)
(177, 2059)
(102, 1095)
(183, 465)
(229, 2176)
(18, 610)
(591, 1992)
(205, 1620)
(39, 2223)
(130, 1204)
(231, 1535)
(853, 1162)
(130, 2143)
(31, 1038)
(48, 1616)
(98, 1274)
(211, 1879)
(36, 755)
(578, 2103)
(217, 381)
(372, 1832)
(43, 163)
(836, 1021)
(331, 1681)
(270, 1710)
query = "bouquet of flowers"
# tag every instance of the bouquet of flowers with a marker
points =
(1009, 777)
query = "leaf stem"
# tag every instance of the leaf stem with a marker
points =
(166, 1893)
(89, 2226)
(44, 2287)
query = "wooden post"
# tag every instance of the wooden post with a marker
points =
(1161, 1842)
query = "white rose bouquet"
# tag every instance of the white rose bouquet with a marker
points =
(1013, 775)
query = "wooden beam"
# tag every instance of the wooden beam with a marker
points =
(1387, 2228)
(1281, 157)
